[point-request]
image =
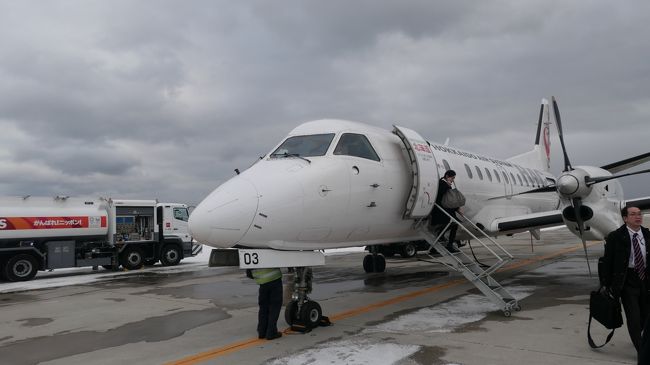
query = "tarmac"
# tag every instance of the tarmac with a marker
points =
(414, 313)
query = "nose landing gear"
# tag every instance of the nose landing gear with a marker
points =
(302, 313)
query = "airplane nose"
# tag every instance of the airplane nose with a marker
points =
(222, 219)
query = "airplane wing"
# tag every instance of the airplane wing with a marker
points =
(641, 203)
(628, 163)
(527, 222)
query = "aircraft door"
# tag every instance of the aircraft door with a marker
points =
(425, 174)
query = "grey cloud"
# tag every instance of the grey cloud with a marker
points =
(78, 160)
(166, 98)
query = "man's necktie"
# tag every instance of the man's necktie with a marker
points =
(639, 264)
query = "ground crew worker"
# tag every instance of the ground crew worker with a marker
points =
(269, 300)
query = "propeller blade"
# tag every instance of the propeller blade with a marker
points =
(558, 120)
(577, 205)
(543, 189)
(594, 180)
(628, 163)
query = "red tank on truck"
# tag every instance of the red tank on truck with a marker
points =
(39, 233)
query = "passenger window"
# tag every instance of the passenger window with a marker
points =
(479, 173)
(447, 167)
(524, 177)
(304, 146)
(540, 181)
(496, 175)
(357, 145)
(487, 172)
(469, 171)
(534, 177)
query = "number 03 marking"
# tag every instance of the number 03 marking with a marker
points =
(251, 258)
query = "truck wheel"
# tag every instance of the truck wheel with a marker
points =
(170, 255)
(408, 250)
(2, 271)
(132, 258)
(20, 268)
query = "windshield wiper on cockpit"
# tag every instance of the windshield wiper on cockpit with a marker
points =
(286, 154)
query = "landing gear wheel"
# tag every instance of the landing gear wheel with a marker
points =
(408, 250)
(374, 263)
(291, 312)
(507, 313)
(367, 264)
(132, 258)
(380, 263)
(170, 255)
(20, 268)
(310, 314)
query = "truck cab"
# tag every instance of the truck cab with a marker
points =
(174, 218)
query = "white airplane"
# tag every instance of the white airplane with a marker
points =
(334, 183)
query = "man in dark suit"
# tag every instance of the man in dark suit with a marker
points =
(625, 270)
(439, 219)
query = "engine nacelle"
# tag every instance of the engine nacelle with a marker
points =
(601, 202)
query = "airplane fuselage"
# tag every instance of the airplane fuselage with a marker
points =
(333, 198)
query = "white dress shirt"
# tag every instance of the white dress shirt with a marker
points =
(641, 245)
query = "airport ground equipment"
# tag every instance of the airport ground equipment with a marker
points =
(42, 233)
(477, 274)
(419, 206)
(405, 249)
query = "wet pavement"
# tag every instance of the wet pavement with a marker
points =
(414, 313)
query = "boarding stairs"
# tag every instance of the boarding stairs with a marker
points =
(478, 275)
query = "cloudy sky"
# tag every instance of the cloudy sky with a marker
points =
(163, 99)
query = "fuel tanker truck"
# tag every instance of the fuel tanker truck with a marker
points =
(40, 233)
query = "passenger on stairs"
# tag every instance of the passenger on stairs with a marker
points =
(438, 220)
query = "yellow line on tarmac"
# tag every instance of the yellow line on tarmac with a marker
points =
(244, 344)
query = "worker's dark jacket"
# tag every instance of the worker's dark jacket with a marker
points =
(617, 256)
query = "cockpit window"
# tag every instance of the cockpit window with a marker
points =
(352, 144)
(304, 146)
